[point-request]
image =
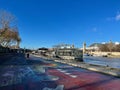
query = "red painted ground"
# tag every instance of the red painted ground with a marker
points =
(87, 80)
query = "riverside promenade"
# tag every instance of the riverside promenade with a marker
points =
(38, 73)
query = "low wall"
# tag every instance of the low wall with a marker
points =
(106, 53)
(8, 56)
(97, 68)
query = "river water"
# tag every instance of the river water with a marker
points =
(112, 62)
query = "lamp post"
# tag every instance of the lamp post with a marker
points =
(84, 48)
(24, 50)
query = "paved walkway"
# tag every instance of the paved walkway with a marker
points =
(39, 74)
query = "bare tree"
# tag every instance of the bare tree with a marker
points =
(9, 34)
(104, 48)
(110, 46)
(117, 48)
(7, 20)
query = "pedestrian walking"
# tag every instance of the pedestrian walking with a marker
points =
(27, 55)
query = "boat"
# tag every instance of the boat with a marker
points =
(69, 54)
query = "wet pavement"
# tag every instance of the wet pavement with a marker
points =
(40, 74)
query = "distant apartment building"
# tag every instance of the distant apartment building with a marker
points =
(117, 43)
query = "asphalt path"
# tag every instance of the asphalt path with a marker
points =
(36, 73)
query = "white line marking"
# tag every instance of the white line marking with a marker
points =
(65, 72)
(68, 73)
(73, 76)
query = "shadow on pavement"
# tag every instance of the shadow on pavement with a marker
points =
(18, 59)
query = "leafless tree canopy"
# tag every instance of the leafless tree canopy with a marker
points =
(9, 34)
(7, 20)
(110, 47)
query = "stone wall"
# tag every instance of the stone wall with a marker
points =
(105, 53)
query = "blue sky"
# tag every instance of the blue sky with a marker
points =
(44, 23)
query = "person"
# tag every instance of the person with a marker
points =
(27, 55)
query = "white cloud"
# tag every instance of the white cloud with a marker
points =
(114, 18)
(117, 18)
